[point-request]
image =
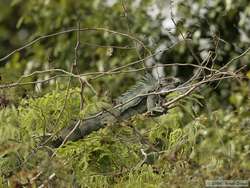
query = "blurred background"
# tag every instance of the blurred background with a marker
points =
(221, 27)
(216, 121)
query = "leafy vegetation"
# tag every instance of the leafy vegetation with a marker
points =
(204, 137)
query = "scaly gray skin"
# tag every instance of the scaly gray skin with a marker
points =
(127, 105)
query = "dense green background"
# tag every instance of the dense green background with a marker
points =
(205, 137)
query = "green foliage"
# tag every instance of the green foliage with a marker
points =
(204, 137)
(209, 145)
(44, 114)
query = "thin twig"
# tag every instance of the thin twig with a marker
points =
(70, 31)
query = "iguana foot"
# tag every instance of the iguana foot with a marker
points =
(156, 111)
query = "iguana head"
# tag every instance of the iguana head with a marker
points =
(167, 83)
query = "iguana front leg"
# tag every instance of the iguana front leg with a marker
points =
(153, 105)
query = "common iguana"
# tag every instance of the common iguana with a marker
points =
(137, 100)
